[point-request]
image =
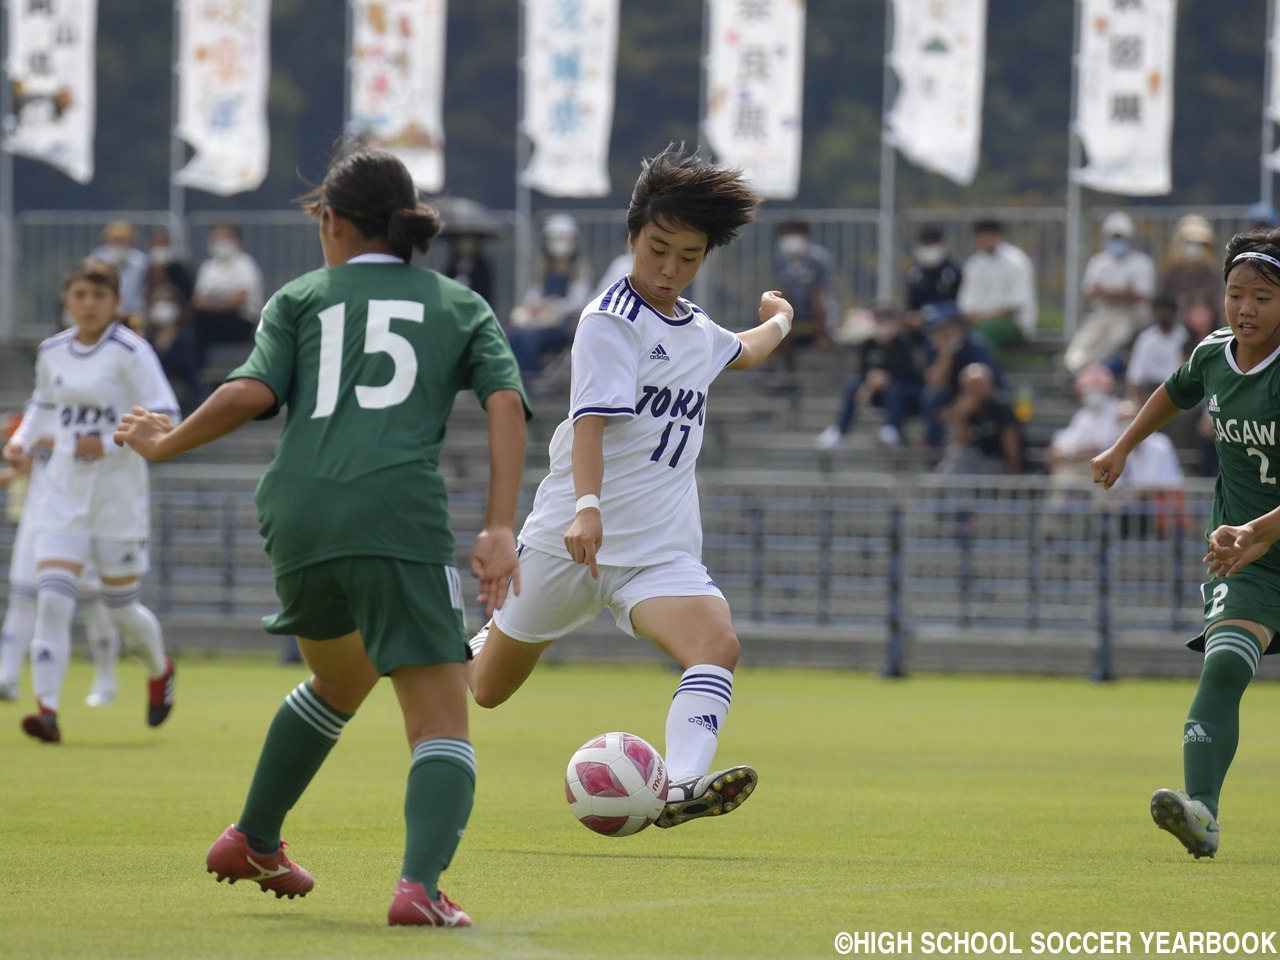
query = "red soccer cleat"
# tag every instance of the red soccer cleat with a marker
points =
(43, 724)
(411, 907)
(232, 859)
(160, 696)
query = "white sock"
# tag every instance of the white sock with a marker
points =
(51, 646)
(697, 714)
(476, 643)
(136, 622)
(104, 642)
(15, 635)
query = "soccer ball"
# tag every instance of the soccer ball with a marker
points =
(616, 784)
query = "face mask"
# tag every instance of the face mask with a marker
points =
(1192, 251)
(223, 249)
(560, 246)
(114, 253)
(793, 245)
(1117, 246)
(162, 256)
(165, 312)
(930, 256)
(1095, 400)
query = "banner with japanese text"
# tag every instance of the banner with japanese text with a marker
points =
(397, 83)
(938, 53)
(755, 90)
(1272, 161)
(224, 64)
(570, 54)
(51, 66)
(1124, 95)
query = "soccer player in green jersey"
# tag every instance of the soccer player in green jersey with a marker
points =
(368, 355)
(1237, 371)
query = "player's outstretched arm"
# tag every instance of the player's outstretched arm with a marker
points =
(493, 556)
(760, 341)
(1155, 413)
(232, 405)
(586, 533)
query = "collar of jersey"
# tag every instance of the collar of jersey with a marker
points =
(78, 349)
(374, 258)
(1231, 360)
(669, 321)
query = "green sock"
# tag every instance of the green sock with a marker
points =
(437, 803)
(303, 732)
(1212, 730)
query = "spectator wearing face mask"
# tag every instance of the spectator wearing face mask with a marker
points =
(1193, 270)
(1119, 281)
(544, 322)
(228, 291)
(1092, 429)
(119, 249)
(168, 329)
(934, 275)
(167, 267)
(803, 272)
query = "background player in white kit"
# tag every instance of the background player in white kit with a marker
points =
(95, 500)
(615, 523)
(20, 615)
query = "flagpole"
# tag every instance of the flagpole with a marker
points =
(7, 322)
(1071, 277)
(888, 171)
(524, 194)
(348, 56)
(1268, 128)
(177, 155)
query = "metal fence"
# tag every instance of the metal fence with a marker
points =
(900, 563)
(285, 244)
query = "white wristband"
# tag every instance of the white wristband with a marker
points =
(782, 320)
(585, 501)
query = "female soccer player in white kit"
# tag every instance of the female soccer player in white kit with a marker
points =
(95, 500)
(616, 523)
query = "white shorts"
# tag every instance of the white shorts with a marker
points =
(113, 558)
(558, 596)
(22, 568)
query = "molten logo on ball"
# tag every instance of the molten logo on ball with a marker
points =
(616, 784)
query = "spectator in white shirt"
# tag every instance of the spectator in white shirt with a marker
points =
(119, 248)
(1119, 281)
(1158, 351)
(228, 292)
(998, 291)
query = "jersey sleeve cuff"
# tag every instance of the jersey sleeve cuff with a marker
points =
(736, 354)
(590, 411)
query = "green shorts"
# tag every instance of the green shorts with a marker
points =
(1250, 594)
(409, 614)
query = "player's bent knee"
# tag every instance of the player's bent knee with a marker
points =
(487, 694)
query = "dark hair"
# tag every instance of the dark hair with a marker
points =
(231, 228)
(930, 234)
(684, 191)
(374, 190)
(800, 227)
(1165, 299)
(987, 225)
(94, 271)
(1265, 240)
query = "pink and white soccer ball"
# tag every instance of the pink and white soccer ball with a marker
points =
(616, 784)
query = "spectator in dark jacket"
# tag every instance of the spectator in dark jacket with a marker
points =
(952, 347)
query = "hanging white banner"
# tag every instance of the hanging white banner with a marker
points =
(1272, 161)
(755, 90)
(397, 83)
(224, 64)
(570, 52)
(1124, 95)
(51, 66)
(939, 56)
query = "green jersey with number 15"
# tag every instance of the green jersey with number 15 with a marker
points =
(368, 358)
(1244, 407)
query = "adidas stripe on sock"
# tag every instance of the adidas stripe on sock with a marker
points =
(695, 719)
(318, 714)
(1242, 644)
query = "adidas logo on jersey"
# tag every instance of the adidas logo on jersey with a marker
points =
(708, 721)
(659, 353)
(1195, 734)
(1213, 404)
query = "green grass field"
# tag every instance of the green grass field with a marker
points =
(937, 803)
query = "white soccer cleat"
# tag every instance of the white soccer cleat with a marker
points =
(710, 796)
(830, 439)
(100, 696)
(1188, 820)
(476, 643)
